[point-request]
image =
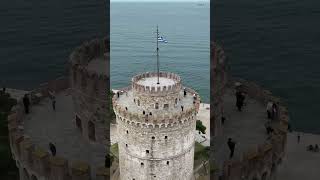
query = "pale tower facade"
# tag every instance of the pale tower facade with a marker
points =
(156, 119)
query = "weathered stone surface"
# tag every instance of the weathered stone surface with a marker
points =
(44, 125)
(156, 138)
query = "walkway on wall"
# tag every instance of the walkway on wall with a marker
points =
(246, 128)
(44, 125)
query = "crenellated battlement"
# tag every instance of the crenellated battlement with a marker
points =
(155, 120)
(186, 122)
(89, 84)
(89, 50)
(174, 116)
(88, 72)
(169, 83)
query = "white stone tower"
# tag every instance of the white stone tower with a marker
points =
(156, 128)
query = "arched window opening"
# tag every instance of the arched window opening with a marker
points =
(156, 106)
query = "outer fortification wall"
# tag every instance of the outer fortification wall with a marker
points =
(218, 87)
(260, 162)
(34, 162)
(89, 89)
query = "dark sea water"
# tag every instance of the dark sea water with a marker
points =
(36, 37)
(275, 43)
(133, 42)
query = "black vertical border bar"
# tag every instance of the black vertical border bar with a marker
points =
(212, 86)
(109, 109)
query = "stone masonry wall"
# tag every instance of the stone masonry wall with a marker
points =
(262, 161)
(218, 86)
(170, 151)
(35, 162)
(160, 147)
(146, 96)
(89, 89)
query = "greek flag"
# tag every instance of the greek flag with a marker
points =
(161, 39)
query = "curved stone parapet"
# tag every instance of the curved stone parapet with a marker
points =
(33, 161)
(156, 119)
(261, 161)
(88, 67)
(156, 90)
(219, 71)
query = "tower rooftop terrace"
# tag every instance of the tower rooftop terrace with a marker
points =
(152, 81)
(146, 83)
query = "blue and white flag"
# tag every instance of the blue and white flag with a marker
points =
(161, 39)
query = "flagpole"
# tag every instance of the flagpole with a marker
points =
(158, 56)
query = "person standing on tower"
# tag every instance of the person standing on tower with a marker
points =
(54, 103)
(231, 145)
(3, 87)
(26, 103)
(53, 149)
(53, 100)
(269, 110)
(239, 100)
